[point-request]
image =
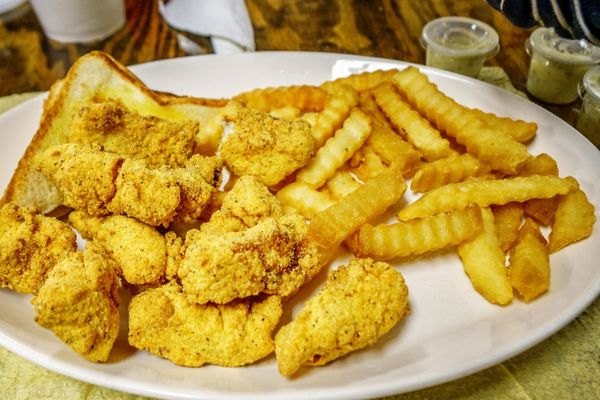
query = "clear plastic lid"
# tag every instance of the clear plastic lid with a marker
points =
(460, 37)
(591, 84)
(558, 49)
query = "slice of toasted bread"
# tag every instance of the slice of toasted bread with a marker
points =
(94, 76)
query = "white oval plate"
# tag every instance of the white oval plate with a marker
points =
(451, 332)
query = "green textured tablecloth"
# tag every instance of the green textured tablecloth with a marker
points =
(565, 366)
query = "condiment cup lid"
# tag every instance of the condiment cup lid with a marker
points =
(561, 50)
(591, 83)
(460, 37)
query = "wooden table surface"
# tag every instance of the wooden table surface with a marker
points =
(383, 28)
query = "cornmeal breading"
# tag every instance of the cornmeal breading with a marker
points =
(164, 322)
(266, 147)
(157, 141)
(138, 251)
(358, 304)
(79, 303)
(30, 245)
(247, 203)
(275, 257)
(100, 183)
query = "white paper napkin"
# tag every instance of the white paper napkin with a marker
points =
(227, 22)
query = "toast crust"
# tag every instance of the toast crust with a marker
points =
(94, 76)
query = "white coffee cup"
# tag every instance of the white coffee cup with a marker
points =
(79, 21)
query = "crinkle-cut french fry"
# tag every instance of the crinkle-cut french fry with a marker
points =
(310, 117)
(542, 210)
(508, 220)
(303, 97)
(394, 150)
(342, 183)
(574, 219)
(304, 199)
(417, 236)
(367, 103)
(485, 193)
(337, 150)
(286, 112)
(366, 164)
(483, 261)
(209, 135)
(331, 226)
(417, 129)
(361, 82)
(452, 169)
(334, 113)
(529, 263)
(521, 131)
(495, 148)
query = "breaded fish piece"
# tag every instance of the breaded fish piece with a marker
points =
(138, 251)
(266, 147)
(155, 140)
(247, 203)
(164, 322)
(101, 183)
(358, 304)
(274, 257)
(79, 302)
(30, 245)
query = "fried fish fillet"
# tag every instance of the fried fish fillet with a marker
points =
(79, 302)
(266, 147)
(30, 245)
(164, 322)
(138, 251)
(100, 183)
(358, 304)
(274, 257)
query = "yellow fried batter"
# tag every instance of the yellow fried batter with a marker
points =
(139, 252)
(118, 130)
(275, 257)
(165, 323)
(79, 303)
(100, 183)
(266, 147)
(30, 245)
(248, 202)
(358, 304)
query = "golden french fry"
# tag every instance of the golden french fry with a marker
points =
(484, 193)
(508, 220)
(303, 97)
(529, 268)
(541, 210)
(366, 164)
(574, 219)
(300, 197)
(361, 82)
(483, 261)
(342, 183)
(417, 129)
(519, 130)
(331, 118)
(310, 117)
(455, 168)
(393, 150)
(286, 112)
(331, 226)
(417, 236)
(496, 148)
(337, 150)
(367, 103)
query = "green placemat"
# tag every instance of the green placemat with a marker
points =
(565, 366)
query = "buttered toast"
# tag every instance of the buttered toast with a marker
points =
(125, 105)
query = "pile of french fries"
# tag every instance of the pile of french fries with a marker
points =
(483, 193)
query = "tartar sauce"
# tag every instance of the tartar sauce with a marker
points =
(588, 122)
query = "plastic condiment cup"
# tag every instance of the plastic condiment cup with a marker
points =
(557, 65)
(79, 21)
(459, 44)
(588, 121)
